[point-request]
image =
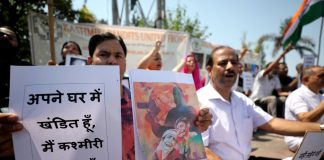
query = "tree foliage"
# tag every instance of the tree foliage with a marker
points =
(86, 16)
(179, 21)
(14, 14)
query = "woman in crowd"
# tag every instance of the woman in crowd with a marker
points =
(69, 47)
(190, 65)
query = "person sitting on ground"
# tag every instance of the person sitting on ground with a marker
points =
(287, 83)
(267, 81)
(190, 65)
(153, 60)
(235, 116)
(69, 47)
(306, 103)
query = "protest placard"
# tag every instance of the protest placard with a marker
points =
(75, 60)
(247, 81)
(309, 60)
(312, 147)
(164, 108)
(68, 112)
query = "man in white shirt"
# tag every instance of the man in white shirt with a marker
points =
(235, 115)
(306, 103)
(267, 81)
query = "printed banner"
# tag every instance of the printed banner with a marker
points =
(139, 41)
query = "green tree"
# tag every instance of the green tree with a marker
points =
(179, 21)
(14, 14)
(86, 16)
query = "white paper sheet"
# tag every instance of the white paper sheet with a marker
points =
(312, 147)
(86, 97)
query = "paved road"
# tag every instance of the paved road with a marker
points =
(269, 146)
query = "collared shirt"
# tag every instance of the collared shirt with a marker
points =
(230, 133)
(263, 86)
(301, 100)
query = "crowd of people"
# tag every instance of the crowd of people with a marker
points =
(277, 103)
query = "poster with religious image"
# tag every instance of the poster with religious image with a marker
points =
(68, 112)
(165, 106)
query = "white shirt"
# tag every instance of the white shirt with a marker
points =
(230, 133)
(300, 100)
(263, 86)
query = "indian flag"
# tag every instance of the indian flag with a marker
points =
(308, 11)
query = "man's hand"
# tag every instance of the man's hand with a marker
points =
(157, 46)
(8, 124)
(203, 119)
(51, 63)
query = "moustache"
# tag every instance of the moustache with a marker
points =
(230, 73)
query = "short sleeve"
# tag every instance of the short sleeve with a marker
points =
(296, 105)
(259, 116)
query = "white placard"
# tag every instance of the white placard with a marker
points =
(68, 112)
(247, 81)
(309, 60)
(75, 60)
(312, 147)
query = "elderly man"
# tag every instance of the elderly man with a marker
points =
(306, 103)
(104, 49)
(235, 115)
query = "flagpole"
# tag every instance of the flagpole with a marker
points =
(319, 42)
(50, 5)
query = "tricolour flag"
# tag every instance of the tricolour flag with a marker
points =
(308, 11)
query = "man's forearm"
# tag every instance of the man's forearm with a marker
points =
(289, 127)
